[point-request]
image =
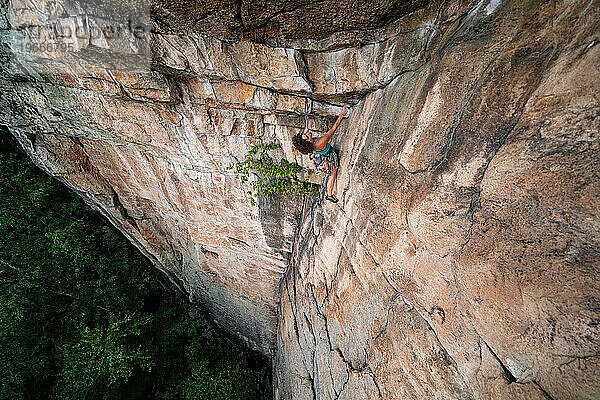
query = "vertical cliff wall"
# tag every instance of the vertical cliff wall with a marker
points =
(462, 259)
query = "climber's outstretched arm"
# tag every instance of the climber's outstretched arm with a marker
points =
(322, 141)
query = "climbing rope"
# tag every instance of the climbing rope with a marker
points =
(307, 110)
(282, 282)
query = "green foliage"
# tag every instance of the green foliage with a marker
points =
(103, 353)
(202, 383)
(268, 177)
(82, 314)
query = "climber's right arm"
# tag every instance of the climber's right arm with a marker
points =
(307, 134)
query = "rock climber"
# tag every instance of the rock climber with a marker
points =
(324, 156)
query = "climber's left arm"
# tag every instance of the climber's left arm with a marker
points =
(322, 141)
(330, 132)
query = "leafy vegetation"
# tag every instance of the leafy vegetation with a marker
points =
(83, 315)
(270, 177)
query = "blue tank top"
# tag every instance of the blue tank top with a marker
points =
(327, 148)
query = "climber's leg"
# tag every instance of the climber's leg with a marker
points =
(331, 181)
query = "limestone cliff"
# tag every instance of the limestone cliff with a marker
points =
(462, 259)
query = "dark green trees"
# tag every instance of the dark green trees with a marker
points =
(82, 314)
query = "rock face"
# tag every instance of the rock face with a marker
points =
(462, 259)
(273, 20)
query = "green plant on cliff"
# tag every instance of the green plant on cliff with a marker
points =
(269, 177)
(84, 316)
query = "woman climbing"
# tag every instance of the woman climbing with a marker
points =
(322, 153)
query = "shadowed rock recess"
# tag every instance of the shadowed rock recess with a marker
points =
(462, 261)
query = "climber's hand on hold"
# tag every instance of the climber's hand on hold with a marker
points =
(307, 135)
(345, 112)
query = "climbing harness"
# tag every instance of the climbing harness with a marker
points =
(325, 161)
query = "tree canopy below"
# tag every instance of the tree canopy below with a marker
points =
(83, 315)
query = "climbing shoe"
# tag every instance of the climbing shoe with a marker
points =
(331, 198)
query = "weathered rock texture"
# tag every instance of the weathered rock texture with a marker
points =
(273, 20)
(462, 261)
